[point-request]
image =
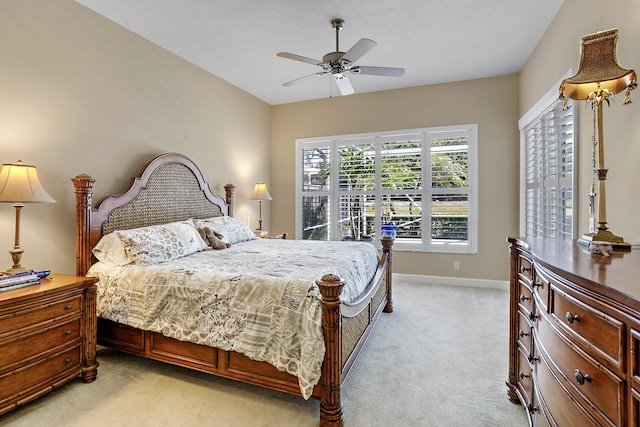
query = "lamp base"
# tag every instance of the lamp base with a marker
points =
(17, 270)
(605, 236)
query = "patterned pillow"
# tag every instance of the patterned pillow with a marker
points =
(232, 230)
(150, 245)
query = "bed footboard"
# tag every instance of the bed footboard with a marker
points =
(346, 328)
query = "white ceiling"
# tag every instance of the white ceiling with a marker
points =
(435, 41)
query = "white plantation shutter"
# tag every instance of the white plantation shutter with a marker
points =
(547, 170)
(420, 180)
(450, 185)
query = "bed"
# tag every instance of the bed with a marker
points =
(170, 191)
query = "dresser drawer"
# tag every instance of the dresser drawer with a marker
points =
(601, 388)
(24, 315)
(525, 298)
(525, 378)
(43, 373)
(39, 343)
(562, 409)
(525, 268)
(524, 333)
(594, 330)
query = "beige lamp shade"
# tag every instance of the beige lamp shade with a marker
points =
(598, 69)
(260, 192)
(19, 183)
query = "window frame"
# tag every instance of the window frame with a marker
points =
(425, 243)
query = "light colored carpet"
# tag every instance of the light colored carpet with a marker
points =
(439, 360)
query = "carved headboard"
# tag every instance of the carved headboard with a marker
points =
(169, 188)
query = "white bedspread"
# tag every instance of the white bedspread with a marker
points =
(258, 298)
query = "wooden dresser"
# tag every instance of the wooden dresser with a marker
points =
(47, 338)
(574, 348)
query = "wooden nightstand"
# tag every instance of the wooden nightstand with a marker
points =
(278, 236)
(47, 337)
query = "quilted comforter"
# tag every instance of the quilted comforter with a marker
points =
(258, 298)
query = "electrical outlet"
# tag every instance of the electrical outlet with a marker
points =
(456, 265)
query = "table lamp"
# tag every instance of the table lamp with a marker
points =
(19, 184)
(599, 77)
(260, 193)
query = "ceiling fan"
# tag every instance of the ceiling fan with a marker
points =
(339, 63)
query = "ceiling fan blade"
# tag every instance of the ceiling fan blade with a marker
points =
(299, 58)
(378, 71)
(343, 83)
(296, 81)
(358, 50)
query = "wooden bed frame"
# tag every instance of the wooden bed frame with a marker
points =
(171, 188)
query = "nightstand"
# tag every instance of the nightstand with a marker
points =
(47, 337)
(278, 236)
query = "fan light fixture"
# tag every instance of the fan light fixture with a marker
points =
(339, 64)
(599, 77)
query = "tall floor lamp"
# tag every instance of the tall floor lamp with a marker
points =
(19, 184)
(599, 77)
(260, 193)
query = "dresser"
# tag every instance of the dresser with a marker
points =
(47, 338)
(574, 346)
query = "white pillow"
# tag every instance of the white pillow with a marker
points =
(150, 245)
(233, 230)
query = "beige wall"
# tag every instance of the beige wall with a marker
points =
(80, 94)
(491, 103)
(559, 51)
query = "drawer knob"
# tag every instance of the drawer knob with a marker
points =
(68, 307)
(570, 318)
(67, 332)
(67, 360)
(581, 378)
(524, 269)
(523, 334)
(524, 298)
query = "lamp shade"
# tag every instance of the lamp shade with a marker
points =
(19, 183)
(260, 192)
(599, 68)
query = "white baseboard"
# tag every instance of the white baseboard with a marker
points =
(452, 281)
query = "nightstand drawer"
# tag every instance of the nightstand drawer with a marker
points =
(17, 318)
(23, 381)
(28, 347)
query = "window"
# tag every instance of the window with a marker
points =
(422, 180)
(547, 176)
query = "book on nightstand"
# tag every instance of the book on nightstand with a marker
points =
(20, 280)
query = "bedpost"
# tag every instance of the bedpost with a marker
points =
(331, 406)
(228, 191)
(84, 189)
(387, 243)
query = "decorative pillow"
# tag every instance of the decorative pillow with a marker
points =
(111, 250)
(150, 245)
(232, 230)
(214, 239)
